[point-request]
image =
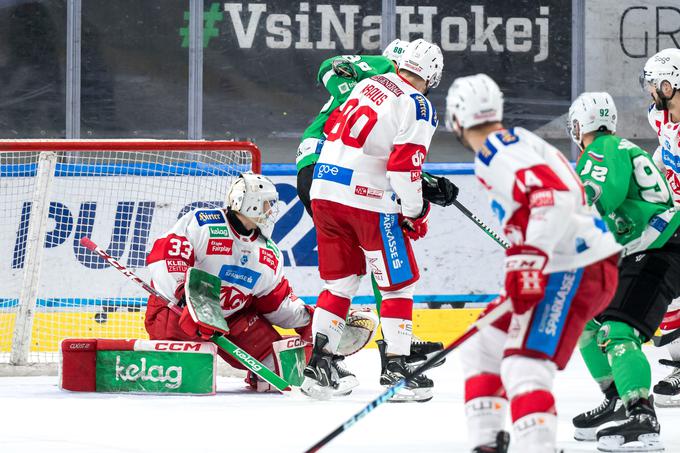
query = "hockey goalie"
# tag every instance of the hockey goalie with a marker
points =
(234, 244)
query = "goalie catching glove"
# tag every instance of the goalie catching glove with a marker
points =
(525, 281)
(438, 190)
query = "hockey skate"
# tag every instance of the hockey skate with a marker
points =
(500, 446)
(611, 410)
(667, 391)
(422, 350)
(394, 369)
(640, 431)
(346, 379)
(321, 375)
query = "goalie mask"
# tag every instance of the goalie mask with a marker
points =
(255, 197)
(662, 67)
(591, 112)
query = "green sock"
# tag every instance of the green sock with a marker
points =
(630, 367)
(376, 294)
(594, 357)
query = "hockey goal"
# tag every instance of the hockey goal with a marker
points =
(122, 194)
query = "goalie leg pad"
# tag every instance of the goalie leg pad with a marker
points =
(252, 333)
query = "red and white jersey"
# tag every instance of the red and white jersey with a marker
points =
(375, 148)
(251, 268)
(539, 200)
(667, 155)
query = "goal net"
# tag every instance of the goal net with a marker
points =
(121, 194)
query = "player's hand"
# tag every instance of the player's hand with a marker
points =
(344, 68)
(192, 328)
(180, 295)
(438, 189)
(525, 281)
(416, 228)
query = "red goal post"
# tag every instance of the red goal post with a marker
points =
(122, 193)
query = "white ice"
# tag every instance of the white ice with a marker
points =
(35, 416)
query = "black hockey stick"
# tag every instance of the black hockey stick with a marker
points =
(491, 233)
(663, 340)
(492, 316)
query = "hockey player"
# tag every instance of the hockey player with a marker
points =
(368, 205)
(661, 80)
(559, 272)
(339, 75)
(234, 244)
(632, 196)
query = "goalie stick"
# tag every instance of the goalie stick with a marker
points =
(224, 343)
(492, 316)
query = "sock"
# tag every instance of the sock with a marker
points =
(534, 422)
(329, 318)
(376, 294)
(397, 325)
(596, 360)
(630, 368)
(485, 408)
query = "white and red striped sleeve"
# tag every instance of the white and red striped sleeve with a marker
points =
(410, 146)
(170, 257)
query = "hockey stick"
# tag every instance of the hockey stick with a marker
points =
(224, 343)
(491, 233)
(663, 340)
(489, 319)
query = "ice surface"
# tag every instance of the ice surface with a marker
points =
(35, 416)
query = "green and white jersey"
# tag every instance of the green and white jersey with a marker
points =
(339, 88)
(629, 191)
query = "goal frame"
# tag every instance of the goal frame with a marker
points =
(46, 163)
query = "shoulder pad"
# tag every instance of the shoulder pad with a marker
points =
(422, 107)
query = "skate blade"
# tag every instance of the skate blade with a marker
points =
(407, 395)
(586, 434)
(590, 434)
(646, 442)
(345, 386)
(312, 389)
(666, 400)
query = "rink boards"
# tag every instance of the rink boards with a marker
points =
(434, 325)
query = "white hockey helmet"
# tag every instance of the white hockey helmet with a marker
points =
(425, 60)
(664, 66)
(471, 101)
(395, 50)
(591, 112)
(255, 197)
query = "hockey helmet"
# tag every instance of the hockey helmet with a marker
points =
(425, 60)
(255, 197)
(591, 112)
(664, 66)
(472, 101)
(395, 50)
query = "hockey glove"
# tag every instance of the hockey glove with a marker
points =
(416, 228)
(193, 329)
(344, 68)
(180, 295)
(438, 189)
(525, 281)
